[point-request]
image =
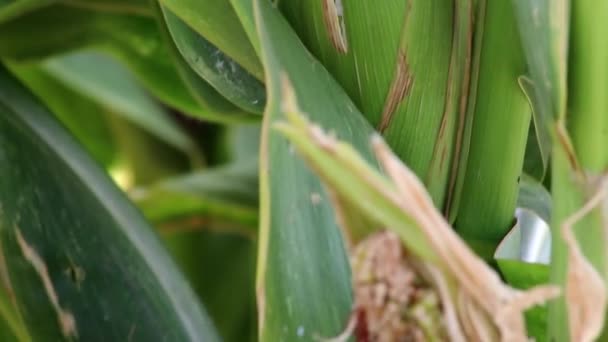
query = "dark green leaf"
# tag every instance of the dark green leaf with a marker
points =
(10, 9)
(216, 21)
(494, 166)
(135, 40)
(210, 63)
(80, 258)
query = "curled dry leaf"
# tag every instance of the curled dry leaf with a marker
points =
(480, 285)
(474, 302)
(333, 17)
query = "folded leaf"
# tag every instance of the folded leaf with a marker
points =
(221, 71)
(303, 275)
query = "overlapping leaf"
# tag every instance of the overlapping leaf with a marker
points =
(128, 288)
(303, 273)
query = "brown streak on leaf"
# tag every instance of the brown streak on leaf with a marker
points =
(67, 323)
(335, 29)
(400, 87)
(564, 139)
(464, 95)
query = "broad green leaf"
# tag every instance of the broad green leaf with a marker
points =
(223, 196)
(215, 107)
(6, 334)
(135, 40)
(494, 166)
(84, 118)
(131, 7)
(396, 69)
(402, 204)
(63, 28)
(57, 209)
(450, 152)
(580, 133)
(543, 27)
(303, 275)
(210, 63)
(465, 125)
(216, 21)
(10, 9)
(149, 54)
(106, 82)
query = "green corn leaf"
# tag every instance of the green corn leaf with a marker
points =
(64, 29)
(217, 22)
(483, 216)
(131, 7)
(539, 138)
(543, 26)
(221, 197)
(129, 287)
(462, 143)
(10, 9)
(127, 151)
(210, 63)
(145, 47)
(303, 275)
(106, 82)
(215, 106)
(92, 130)
(396, 69)
(134, 40)
(579, 156)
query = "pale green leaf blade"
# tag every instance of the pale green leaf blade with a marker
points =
(494, 166)
(107, 82)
